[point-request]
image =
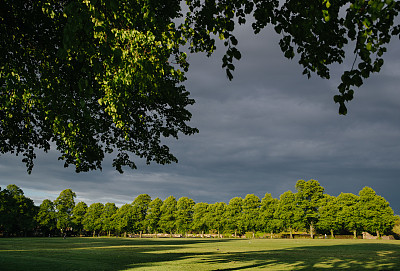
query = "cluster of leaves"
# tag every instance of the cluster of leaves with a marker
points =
(98, 76)
(94, 77)
(308, 207)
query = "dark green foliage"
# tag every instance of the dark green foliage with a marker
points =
(64, 205)
(375, 212)
(215, 218)
(251, 212)
(168, 215)
(139, 211)
(309, 195)
(199, 217)
(107, 217)
(234, 216)
(78, 215)
(92, 220)
(46, 218)
(288, 213)
(184, 214)
(17, 212)
(96, 77)
(153, 215)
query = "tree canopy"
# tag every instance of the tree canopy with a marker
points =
(95, 76)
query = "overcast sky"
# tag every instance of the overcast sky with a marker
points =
(259, 133)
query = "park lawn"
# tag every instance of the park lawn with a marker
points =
(117, 254)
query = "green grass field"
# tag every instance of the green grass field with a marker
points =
(196, 254)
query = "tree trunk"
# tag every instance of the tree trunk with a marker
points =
(170, 234)
(202, 234)
(140, 234)
(109, 233)
(272, 234)
(125, 234)
(355, 234)
(332, 234)
(291, 235)
(156, 234)
(253, 235)
(94, 233)
(311, 231)
(235, 233)
(377, 234)
(218, 234)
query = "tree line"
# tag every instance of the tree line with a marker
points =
(309, 209)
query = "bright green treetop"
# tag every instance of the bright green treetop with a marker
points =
(329, 215)
(184, 214)
(139, 210)
(107, 216)
(199, 216)
(375, 212)
(92, 220)
(64, 204)
(153, 215)
(288, 213)
(234, 215)
(46, 216)
(78, 214)
(168, 215)
(349, 216)
(251, 212)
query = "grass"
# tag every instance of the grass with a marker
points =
(117, 254)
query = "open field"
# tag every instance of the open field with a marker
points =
(197, 254)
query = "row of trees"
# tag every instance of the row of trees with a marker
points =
(307, 209)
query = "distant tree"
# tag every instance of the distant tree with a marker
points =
(46, 217)
(288, 213)
(123, 219)
(64, 204)
(200, 217)
(92, 220)
(17, 211)
(396, 228)
(349, 216)
(267, 221)
(328, 215)
(153, 215)
(78, 215)
(168, 215)
(234, 216)
(107, 217)
(251, 212)
(139, 210)
(376, 214)
(184, 214)
(309, 195)
(215, 217)
(7, 204)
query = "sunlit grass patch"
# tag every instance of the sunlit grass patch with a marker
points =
(197, 254)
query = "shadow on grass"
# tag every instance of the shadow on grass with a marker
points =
(116, 254)
(335, 257)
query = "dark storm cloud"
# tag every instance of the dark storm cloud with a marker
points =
(259, 133)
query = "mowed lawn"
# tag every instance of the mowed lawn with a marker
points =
(197, 254)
